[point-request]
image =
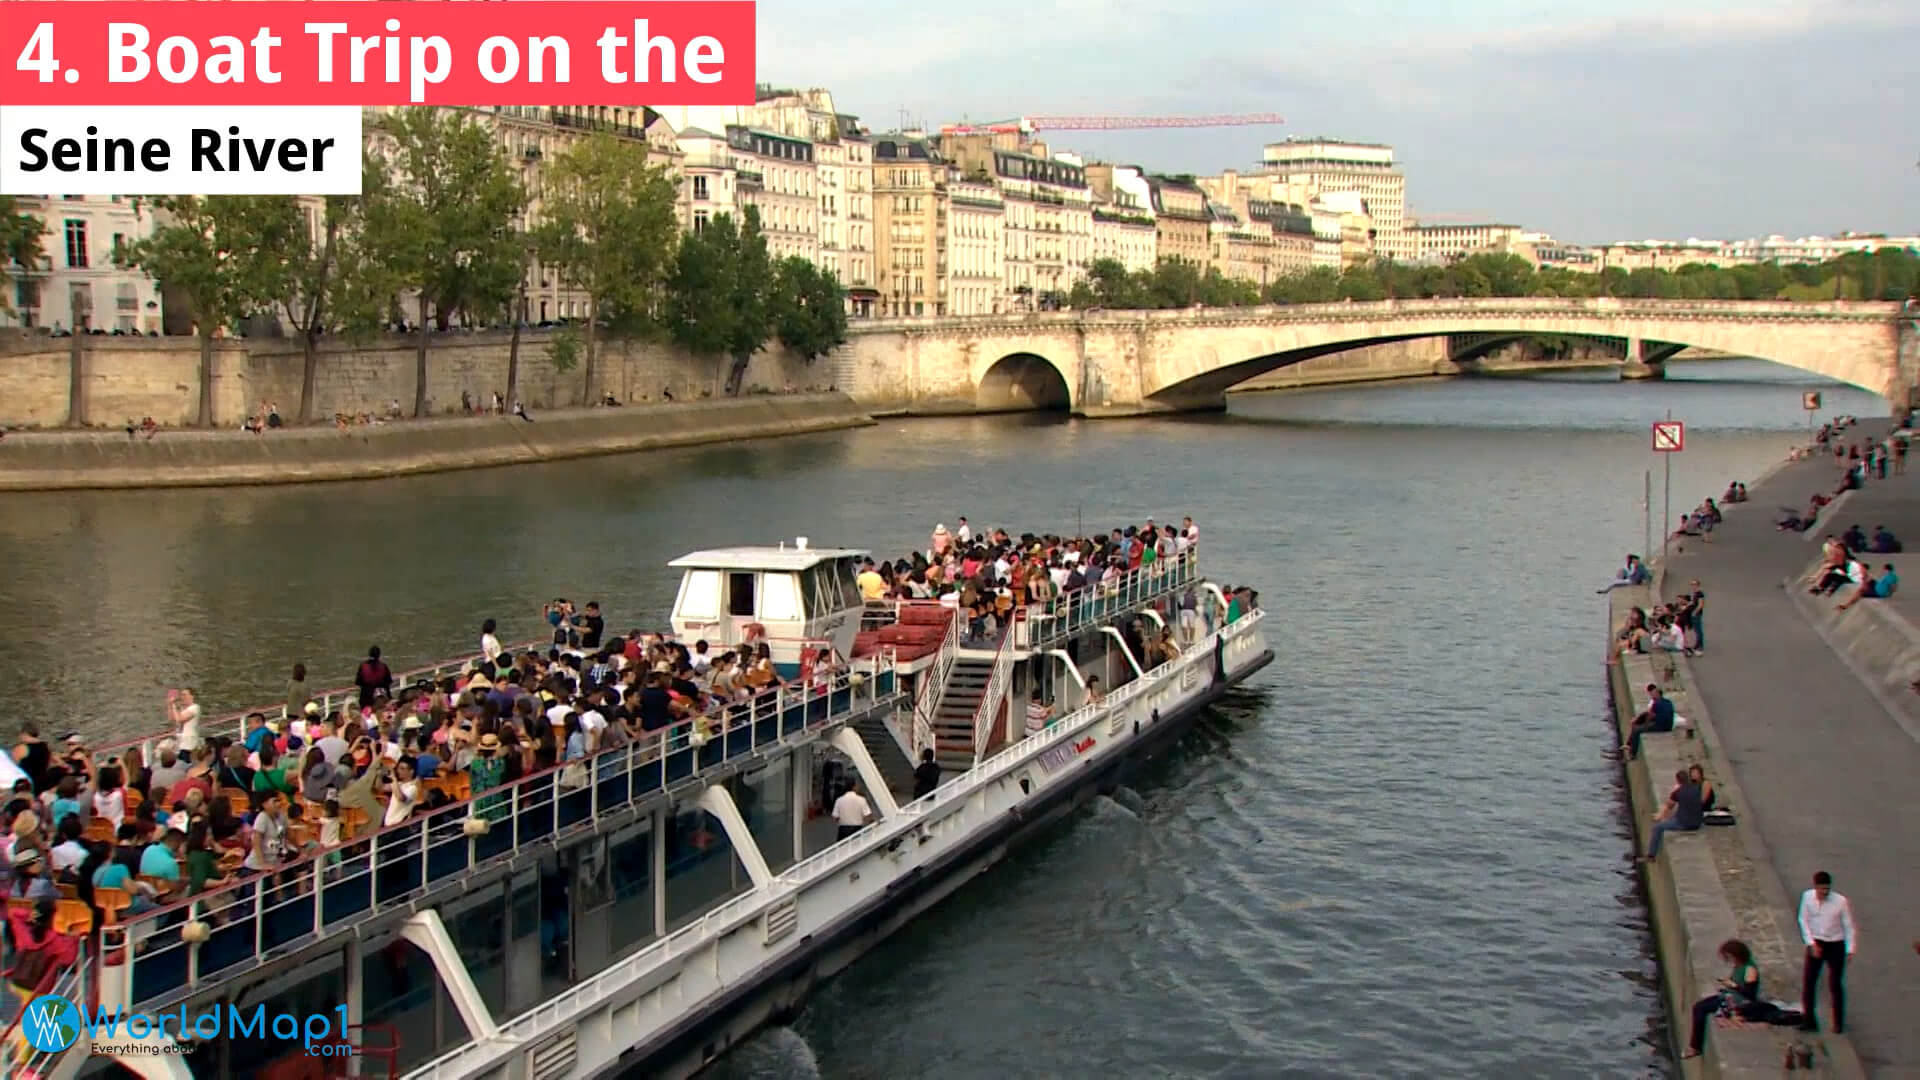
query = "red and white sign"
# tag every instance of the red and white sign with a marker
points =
(1669, 436)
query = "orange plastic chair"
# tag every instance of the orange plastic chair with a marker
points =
(237, 800)
(99, 829)
(72, 917)
(134, 798)
(111, 902)
(68, 891)
(459, 786)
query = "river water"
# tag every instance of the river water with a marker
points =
(1399, 851)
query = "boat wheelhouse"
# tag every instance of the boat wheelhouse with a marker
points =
(790, 598)
(649, 910)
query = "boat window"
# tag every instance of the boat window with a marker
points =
(700, 595)
(740, 595)
(812, 583)
(778, 597)
(833, 597)
(849, 575)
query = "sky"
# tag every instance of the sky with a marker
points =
(1597, 122)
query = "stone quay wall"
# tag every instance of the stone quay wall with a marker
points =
(77, 460)
(130, 378)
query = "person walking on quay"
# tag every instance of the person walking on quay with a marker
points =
(1740, 987)
(1826, 925)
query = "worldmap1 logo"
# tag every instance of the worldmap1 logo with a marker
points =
(51, 1023)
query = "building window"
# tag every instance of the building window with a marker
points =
(699, 221)
(700, 188)
(76, 244)
(128, 298)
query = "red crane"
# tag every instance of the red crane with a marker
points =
(1029, 124)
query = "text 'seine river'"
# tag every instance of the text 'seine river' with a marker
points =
(1398, 852)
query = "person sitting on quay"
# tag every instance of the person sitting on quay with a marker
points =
(1792, 520)
(1873, 588)
(1736, 493)
(1633, 573)
(1740, 988)
(1884, 542)
(1683, 813)
(1635, 633)
(1854, 538)
(1840, 573)
(1656, 719)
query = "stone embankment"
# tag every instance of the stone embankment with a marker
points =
(76, 460)
(1708, 886)
(1815, 710)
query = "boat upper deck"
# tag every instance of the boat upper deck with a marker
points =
(252, 922)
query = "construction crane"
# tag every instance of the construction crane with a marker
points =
(1027, 125)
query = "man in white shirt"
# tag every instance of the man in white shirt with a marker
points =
(852, 811)
(964, 534)
(1826, 925)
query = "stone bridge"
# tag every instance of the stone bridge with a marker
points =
(1128, 363)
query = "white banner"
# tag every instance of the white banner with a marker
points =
(203, 150)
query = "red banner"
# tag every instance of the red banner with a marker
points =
(384, 52)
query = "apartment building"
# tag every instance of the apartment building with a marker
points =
(860, 278)
(77, 284)
(1239, 248)
(1123, 228)
(707, 180)
(909, 178)
(975, 238)
(1446, 243)
(1292, 229)
(1182, 226)
(1049, 212)
(1317, 166)
(777, 175)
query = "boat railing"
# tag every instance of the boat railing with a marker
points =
(1052, 620)
(522, 1030)
(933, 681)
(298, 902)
(987, 713)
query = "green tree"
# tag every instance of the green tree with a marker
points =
(610, 229)
(336, 285)
(228, 257)
(20, 249)
(442, 221)
(810, 308)
(720, 299)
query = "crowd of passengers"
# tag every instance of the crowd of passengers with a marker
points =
(118, 835)
(991, 575)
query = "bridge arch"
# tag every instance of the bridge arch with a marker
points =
(1192, 365)
(1022, 382)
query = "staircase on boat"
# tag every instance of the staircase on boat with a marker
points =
(954, 717)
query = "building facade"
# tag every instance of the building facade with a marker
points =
(860, 280)
(1182, 226)
(975, 247)
(707, 180)
(906, 225)
(776, 174)
(78, 283)
(1321, 166)
(1123, 228)
(1446, 243)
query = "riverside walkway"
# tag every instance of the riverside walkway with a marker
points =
(1829, 769)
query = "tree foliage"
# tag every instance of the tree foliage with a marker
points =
(610, 230)
(720, 298)
(441, 220)
(337, 286)
(1888, 274)
(227, 257)
(20, 234)
(811, 308)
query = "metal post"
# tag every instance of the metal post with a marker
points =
(1666, 513)
(1646, 514)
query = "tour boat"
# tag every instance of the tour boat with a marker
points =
(648, 912)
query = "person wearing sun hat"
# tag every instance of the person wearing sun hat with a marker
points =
(488, 770)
